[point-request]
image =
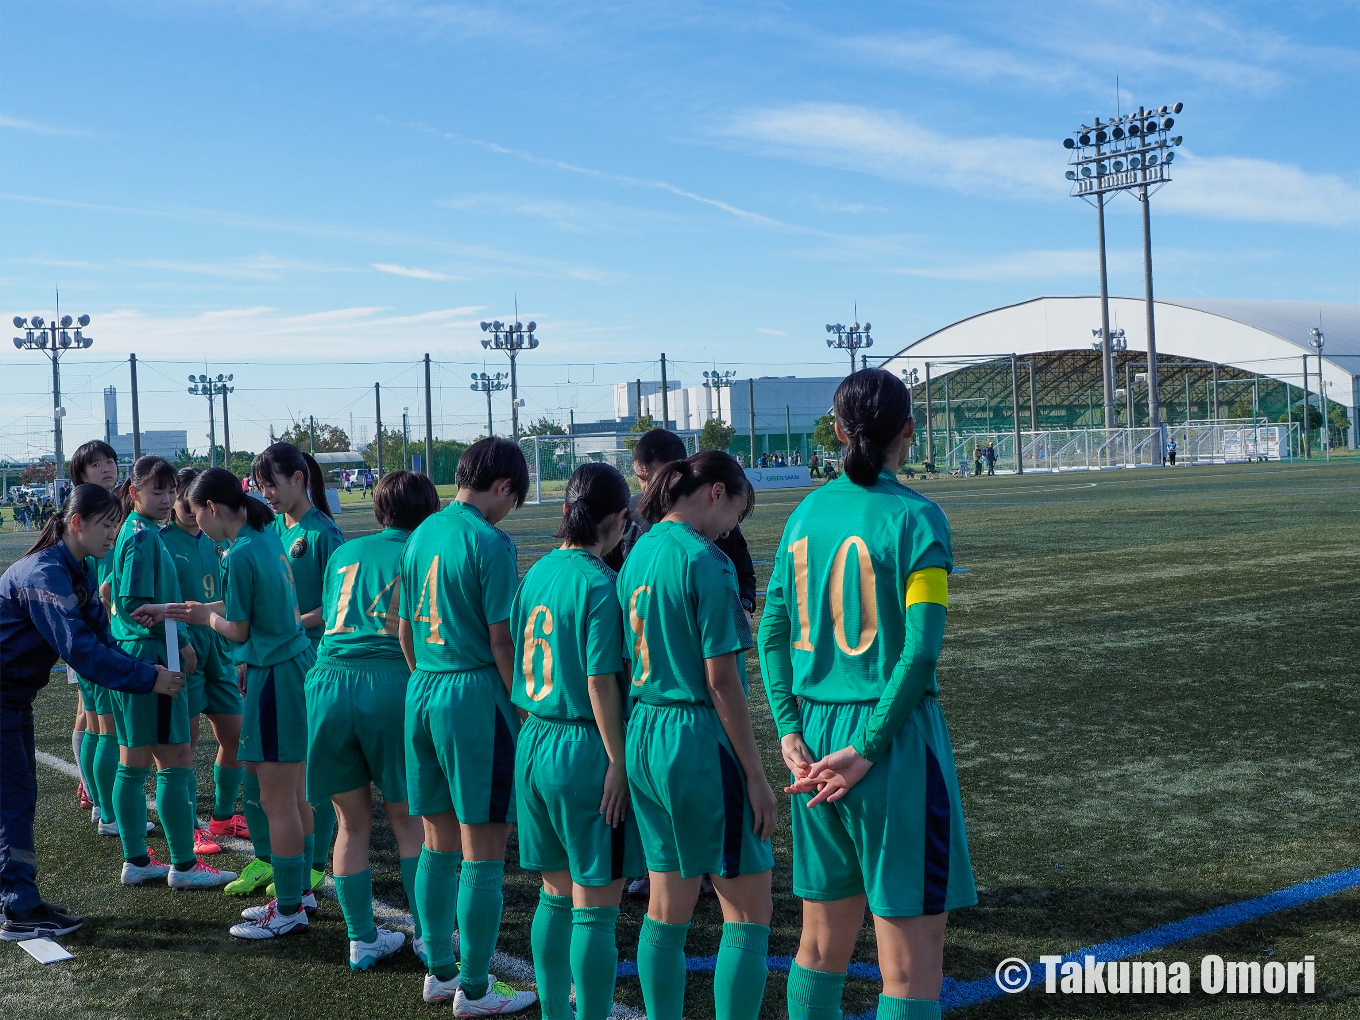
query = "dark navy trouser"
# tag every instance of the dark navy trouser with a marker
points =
(18, 799)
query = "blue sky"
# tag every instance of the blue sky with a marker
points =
(282, 189)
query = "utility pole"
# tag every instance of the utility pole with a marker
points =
(405, 438)
(377, 409)
(429, 424)
(226, 429)
(311, 431)
(930, 426)
(1015, 414)
(665, 395)
(136, 416)
(751, 393)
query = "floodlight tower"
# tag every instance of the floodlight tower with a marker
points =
(1317, 339)
(1133, 152)
(849, 338)
(488, 384)
(511, 337)
(721, 381)
(207, 386)
(53, 339)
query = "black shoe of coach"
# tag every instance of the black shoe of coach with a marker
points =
(45, 921)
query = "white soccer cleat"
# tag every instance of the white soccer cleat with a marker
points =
(94, 814)
(139, 874)
(257, 913)
(500, 998)
(200, 876)
(437, 991)
(418, 947)
(363, 955)
(272, 925)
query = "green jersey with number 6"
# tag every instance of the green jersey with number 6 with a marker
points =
(679, 595)
(567, 627)
(362, 598)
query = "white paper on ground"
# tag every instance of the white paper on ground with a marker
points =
(172, 644)
(71, 673)
(45, 950)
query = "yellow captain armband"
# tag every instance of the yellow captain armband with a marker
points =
(929, 585)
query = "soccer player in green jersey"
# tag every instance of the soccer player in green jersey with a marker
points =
(295, 489)
(571, 779)
(212, 688)
(699, 792)
(853, 623)
(153, 725)
(93, 740)
(260, 617)
(458, 579)
(356, 700)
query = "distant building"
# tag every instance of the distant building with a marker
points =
(159, 443)
(780, 402)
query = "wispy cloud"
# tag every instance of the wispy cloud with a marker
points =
(1257, 190)
(890, 145)
(414, 272)
(335, 315)
(238, 313)
(19, 124)
(770, 332)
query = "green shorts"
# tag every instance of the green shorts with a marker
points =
(274, 723)
(141, 720)
(559, 783)
(222, 694)
(94, 698)
(355, 732)
(689, 794)
(898, 835)
(460, 746)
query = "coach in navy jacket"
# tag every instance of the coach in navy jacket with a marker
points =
(49, 609)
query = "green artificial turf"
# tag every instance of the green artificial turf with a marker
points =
(1150, 680)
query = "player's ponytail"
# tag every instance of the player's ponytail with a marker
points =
(220, 486)
(871, 407)
(682, 478)
(87, 501)
(287, 460)
(594, 492)
(148, 470)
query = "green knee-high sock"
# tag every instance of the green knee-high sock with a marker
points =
(437, 900)
(739, 975)
(814, 994)
(256, 820)
(106, 774)
(226, 785)
(89, 745)
(409, 867)
(288, 881)
(308, 846)
(661, 968)
(323, 816)
(129, 801)
(355, 893)
(193, 792)
(479, 923)
(550, 940)
(174, 787)
(890, 1008)
(594, 960)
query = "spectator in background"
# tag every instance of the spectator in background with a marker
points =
(977, 460)
(368, 481)
(814, 465)
(989, 455)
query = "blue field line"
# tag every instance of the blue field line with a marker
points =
(961, 994)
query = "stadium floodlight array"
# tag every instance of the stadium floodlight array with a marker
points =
(54, 339)
(721, 381)
(849, 338)
(210, 387)
(1131, 151)
(489, 384)
(511, 337)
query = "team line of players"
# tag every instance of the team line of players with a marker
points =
(604, 715)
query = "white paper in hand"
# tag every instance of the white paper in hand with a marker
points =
(172, 646)
(45, 950)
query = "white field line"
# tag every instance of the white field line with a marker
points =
(503, 965)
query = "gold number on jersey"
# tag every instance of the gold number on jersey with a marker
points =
(430, 587)
(209, 588)
(388, 614)
(530, 644)
(342, 604)
(799, 551)
(642, 657)
(868, 602)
